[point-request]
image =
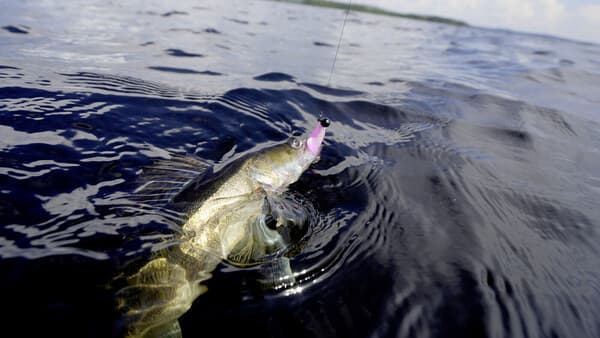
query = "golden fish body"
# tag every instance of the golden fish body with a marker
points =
(228, 215)
(229, 222)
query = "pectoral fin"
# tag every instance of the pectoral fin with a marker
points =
(287, 216)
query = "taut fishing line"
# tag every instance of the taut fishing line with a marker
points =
(339, 42)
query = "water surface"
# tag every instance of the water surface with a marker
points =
(456, 194)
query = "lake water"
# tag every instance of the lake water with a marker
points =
(457, 193)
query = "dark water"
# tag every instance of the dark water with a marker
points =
(457, 192)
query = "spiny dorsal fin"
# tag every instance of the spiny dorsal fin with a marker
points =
(164, 179)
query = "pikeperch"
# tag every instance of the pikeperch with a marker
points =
(242, 216)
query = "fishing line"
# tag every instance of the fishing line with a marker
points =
(339, 42)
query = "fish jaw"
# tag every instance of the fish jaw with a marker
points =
(303, 156)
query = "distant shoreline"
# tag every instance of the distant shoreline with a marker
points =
(376, 10)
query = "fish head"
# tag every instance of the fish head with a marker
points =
(278, 167)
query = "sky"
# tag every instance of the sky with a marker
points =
(574, 19)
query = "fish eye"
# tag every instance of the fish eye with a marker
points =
(295, 142)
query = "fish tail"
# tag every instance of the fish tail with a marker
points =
(158, 294)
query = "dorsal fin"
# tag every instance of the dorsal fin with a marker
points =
(161, 181)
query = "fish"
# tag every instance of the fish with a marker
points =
(242, 215)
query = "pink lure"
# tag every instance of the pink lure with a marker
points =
(316, 137)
